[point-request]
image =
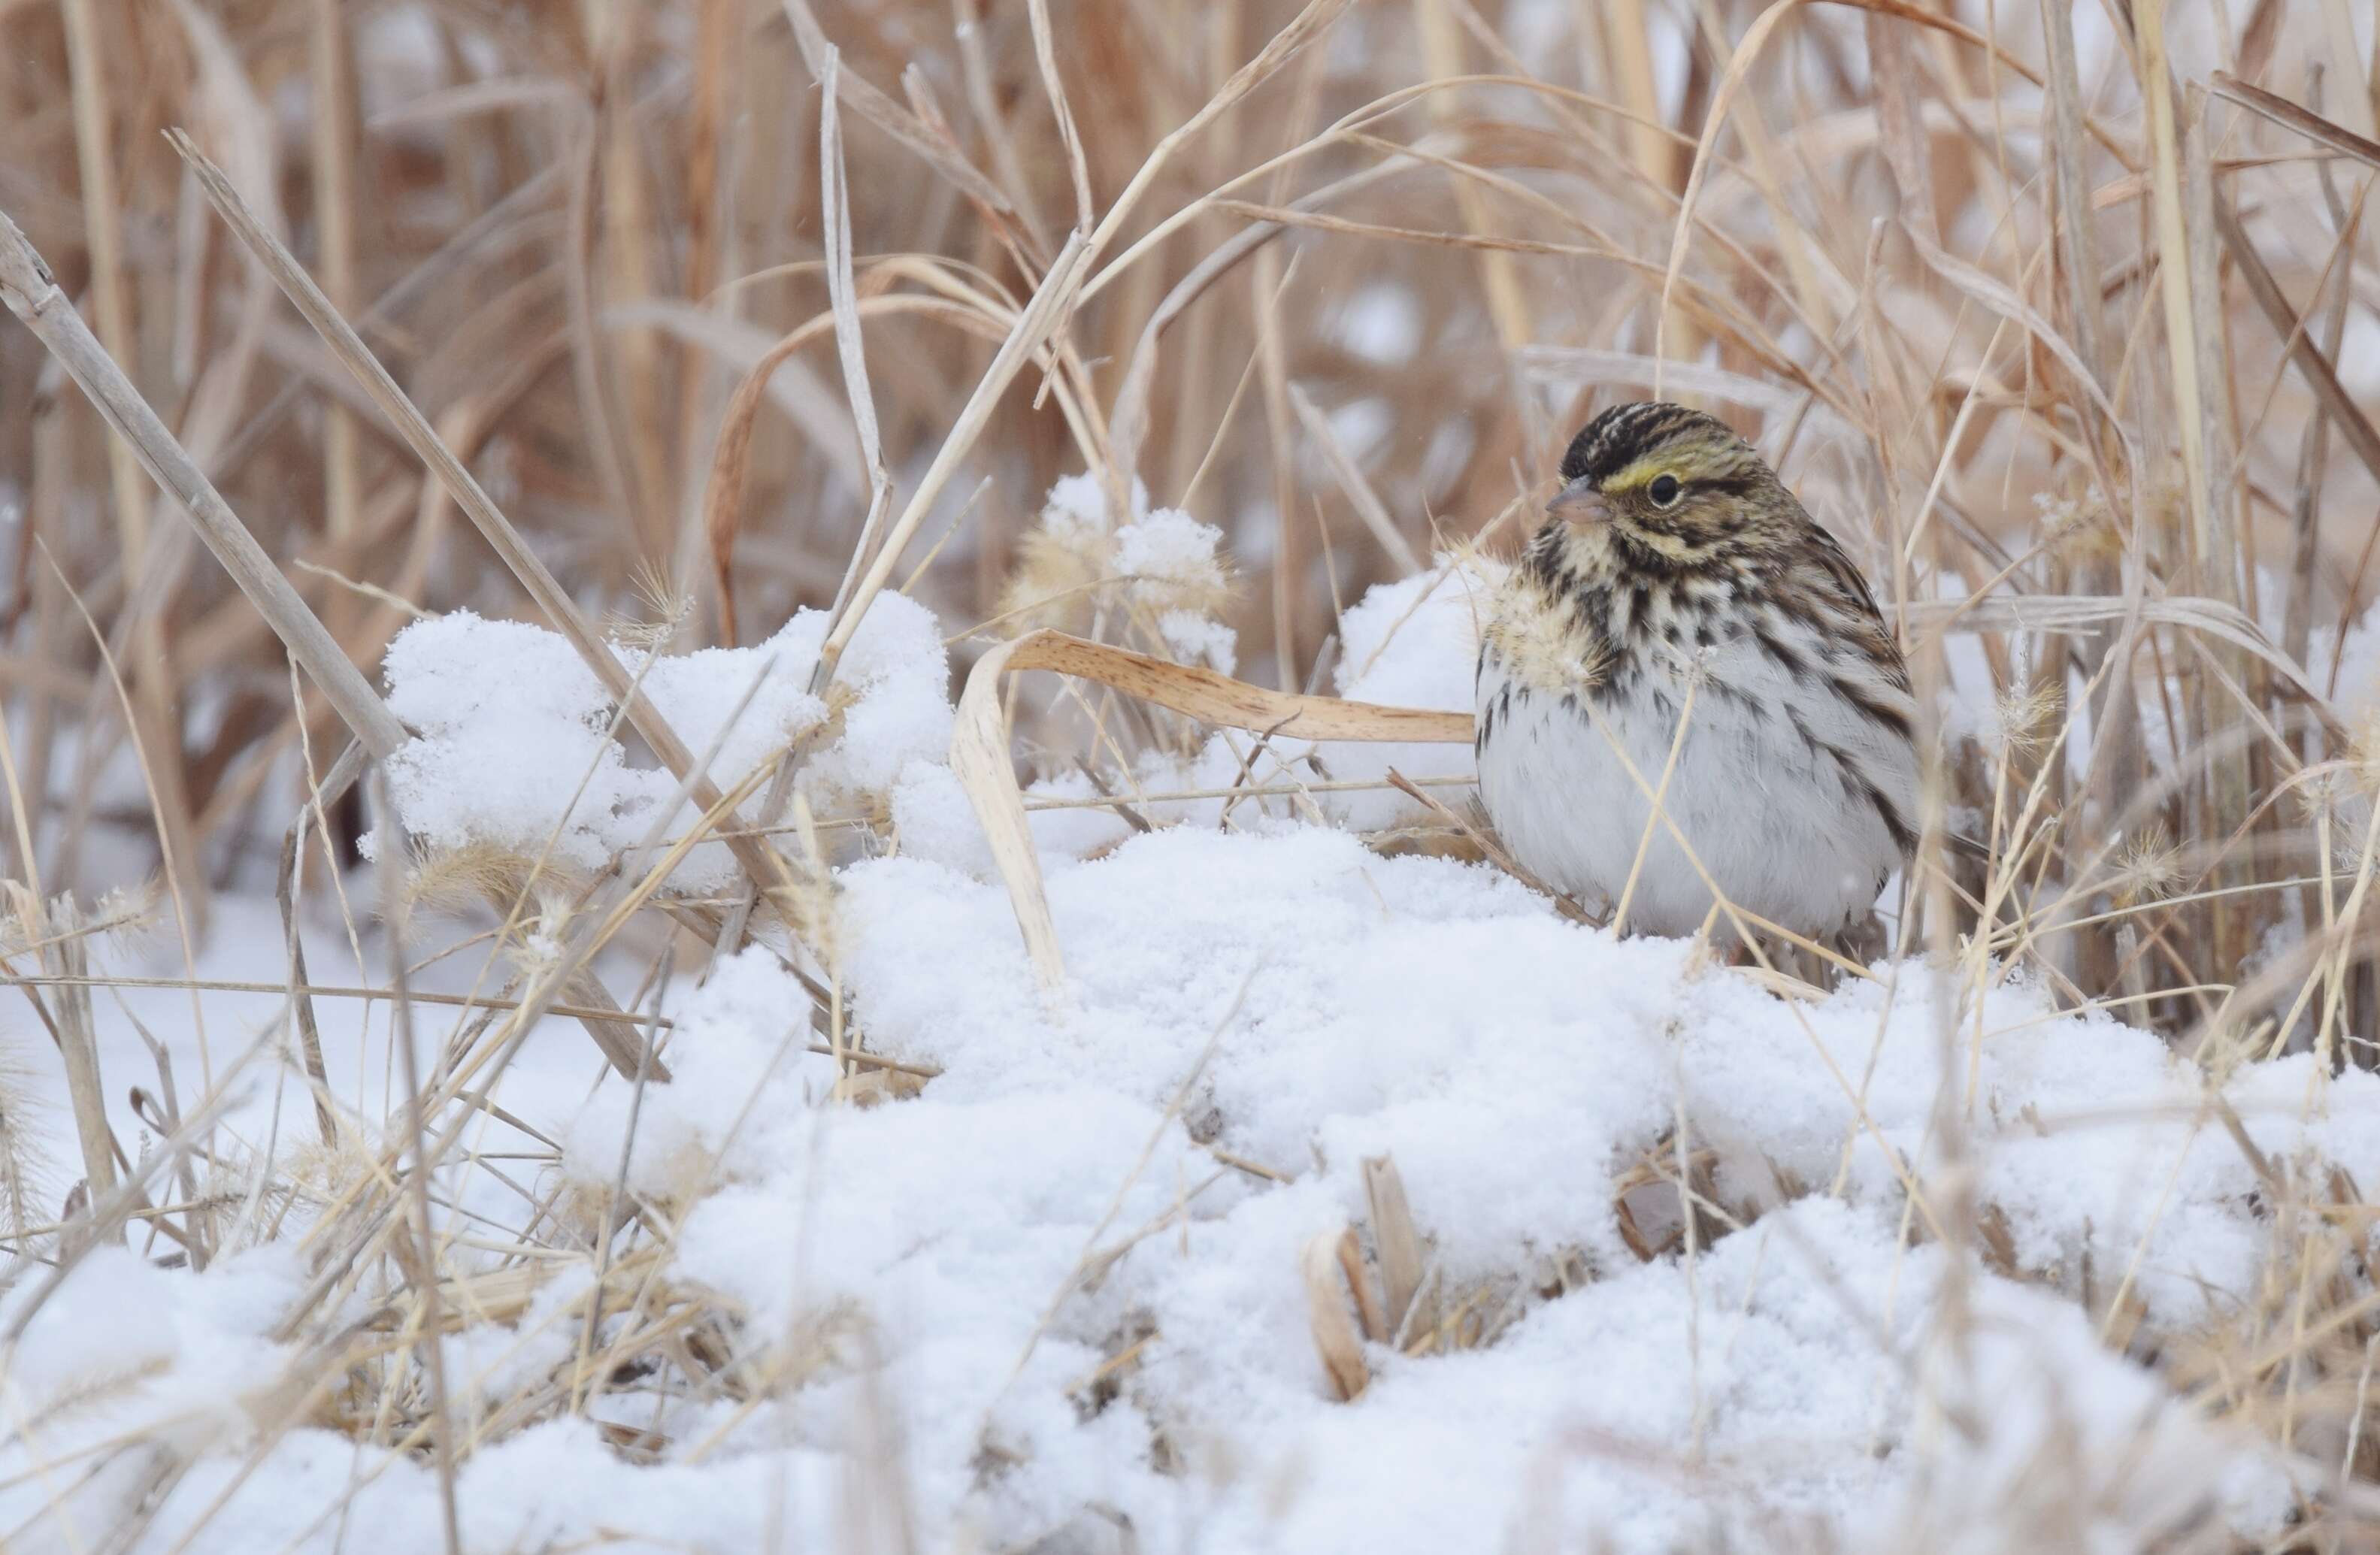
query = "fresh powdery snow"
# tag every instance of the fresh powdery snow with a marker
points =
(1057, 1301)
(517, 747)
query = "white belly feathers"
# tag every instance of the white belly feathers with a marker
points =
(1758, 791)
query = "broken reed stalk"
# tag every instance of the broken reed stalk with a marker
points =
(1332, 1270)
(78, 1038)
(1395, 1241)
(1396, 1312)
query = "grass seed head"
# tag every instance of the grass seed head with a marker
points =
(2080, 525)
(1053, 584)
(667, 606)
(459, 880)
(2147, 869)
(2027, 714)
(2364, 754)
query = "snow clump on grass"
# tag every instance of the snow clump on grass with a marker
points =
(516, 742)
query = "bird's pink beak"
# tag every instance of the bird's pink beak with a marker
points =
(1579, 503)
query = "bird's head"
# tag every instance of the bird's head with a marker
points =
(1673, 482)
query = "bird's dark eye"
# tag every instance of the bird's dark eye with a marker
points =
(1663, 491)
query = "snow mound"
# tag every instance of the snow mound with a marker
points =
(1051, 1287)
(516, 745)
(942, 1284)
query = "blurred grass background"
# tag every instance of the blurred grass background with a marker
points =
(2003, 335)
(572, 228)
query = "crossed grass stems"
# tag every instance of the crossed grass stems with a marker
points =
(376, 1207)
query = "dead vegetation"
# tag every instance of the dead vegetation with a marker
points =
(617, 318)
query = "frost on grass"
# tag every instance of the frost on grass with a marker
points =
(518, 748)
(1058, 1292)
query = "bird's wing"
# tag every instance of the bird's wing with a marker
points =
(1829, 555)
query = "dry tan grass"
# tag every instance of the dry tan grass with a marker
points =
(2075, 345)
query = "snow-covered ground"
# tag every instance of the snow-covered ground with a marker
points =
(1060, 1299)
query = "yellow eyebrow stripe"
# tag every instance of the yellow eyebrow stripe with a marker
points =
(1687, 463)
(1641, 472)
